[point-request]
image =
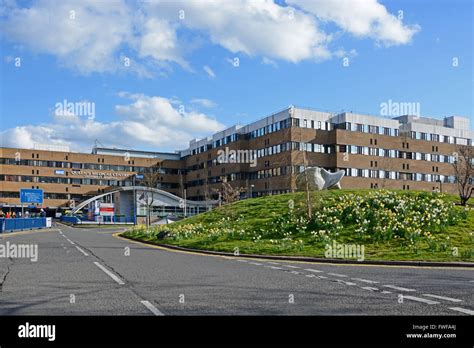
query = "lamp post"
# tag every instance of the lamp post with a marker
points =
(134, 201)
(251, 193)
(185, 204)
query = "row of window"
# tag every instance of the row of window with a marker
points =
(61, 180)
(87, 166)
(371, 151)
(440, 138)
(74, 181)
(47, 195)
(382, 174)
(312, 124)
(271, 128)
(275, 149)
(364, 128)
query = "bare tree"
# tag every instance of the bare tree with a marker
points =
(181, 182)
(228, 193)
(206, 183)
(464, 171)
(302, 160)
(151, 180)
(387, 166)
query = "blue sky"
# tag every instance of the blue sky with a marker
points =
(297, 61)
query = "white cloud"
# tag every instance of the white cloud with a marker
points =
(204, 102)
(361, 18)
(268, 61)
(209, 71)
(340, 53)
(82, 35)
(146, 122)
(98, 35)
(159, 41)
(252, 27)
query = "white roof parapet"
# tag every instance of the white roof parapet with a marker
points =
(434, 129)
(366, 119)
(312, 115)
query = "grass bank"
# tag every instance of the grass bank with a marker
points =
(390, 225)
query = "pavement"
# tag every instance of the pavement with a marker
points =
(89, 271)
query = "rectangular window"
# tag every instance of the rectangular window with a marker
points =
(373, 129)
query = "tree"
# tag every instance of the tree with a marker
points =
(464, 171)
(151, 179)
(301, 159)
(181, 182)
(228, 193)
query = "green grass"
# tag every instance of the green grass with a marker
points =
(255, 214)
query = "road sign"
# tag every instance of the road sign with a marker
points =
(139, 176)
(31, 196)
(106, 209)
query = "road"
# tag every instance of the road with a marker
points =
(88, 271)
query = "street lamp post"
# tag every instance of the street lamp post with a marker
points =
(134, 201)
(185, 204)
(251, 193)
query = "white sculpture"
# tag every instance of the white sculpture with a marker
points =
(319, 179)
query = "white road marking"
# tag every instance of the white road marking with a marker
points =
(443, 298)
(152, 308)
(82, 251)
(255, 263)
(365, 280)
(386, 292)
(419, 299)
(289, 266)
(274, 267)
(274, 263)
(110, 274)
(344, 282)
(462, 310)
(242, 260)
(337, 275)
(310, 276)
(370, 288)
(398, 288)
(322, 277)
(70, 241)
(313, 270)
(295, 272)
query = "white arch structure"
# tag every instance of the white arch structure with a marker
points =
(163, 196)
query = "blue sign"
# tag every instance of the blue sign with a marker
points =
(59, 172)
(31, 196)
(139, 176)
